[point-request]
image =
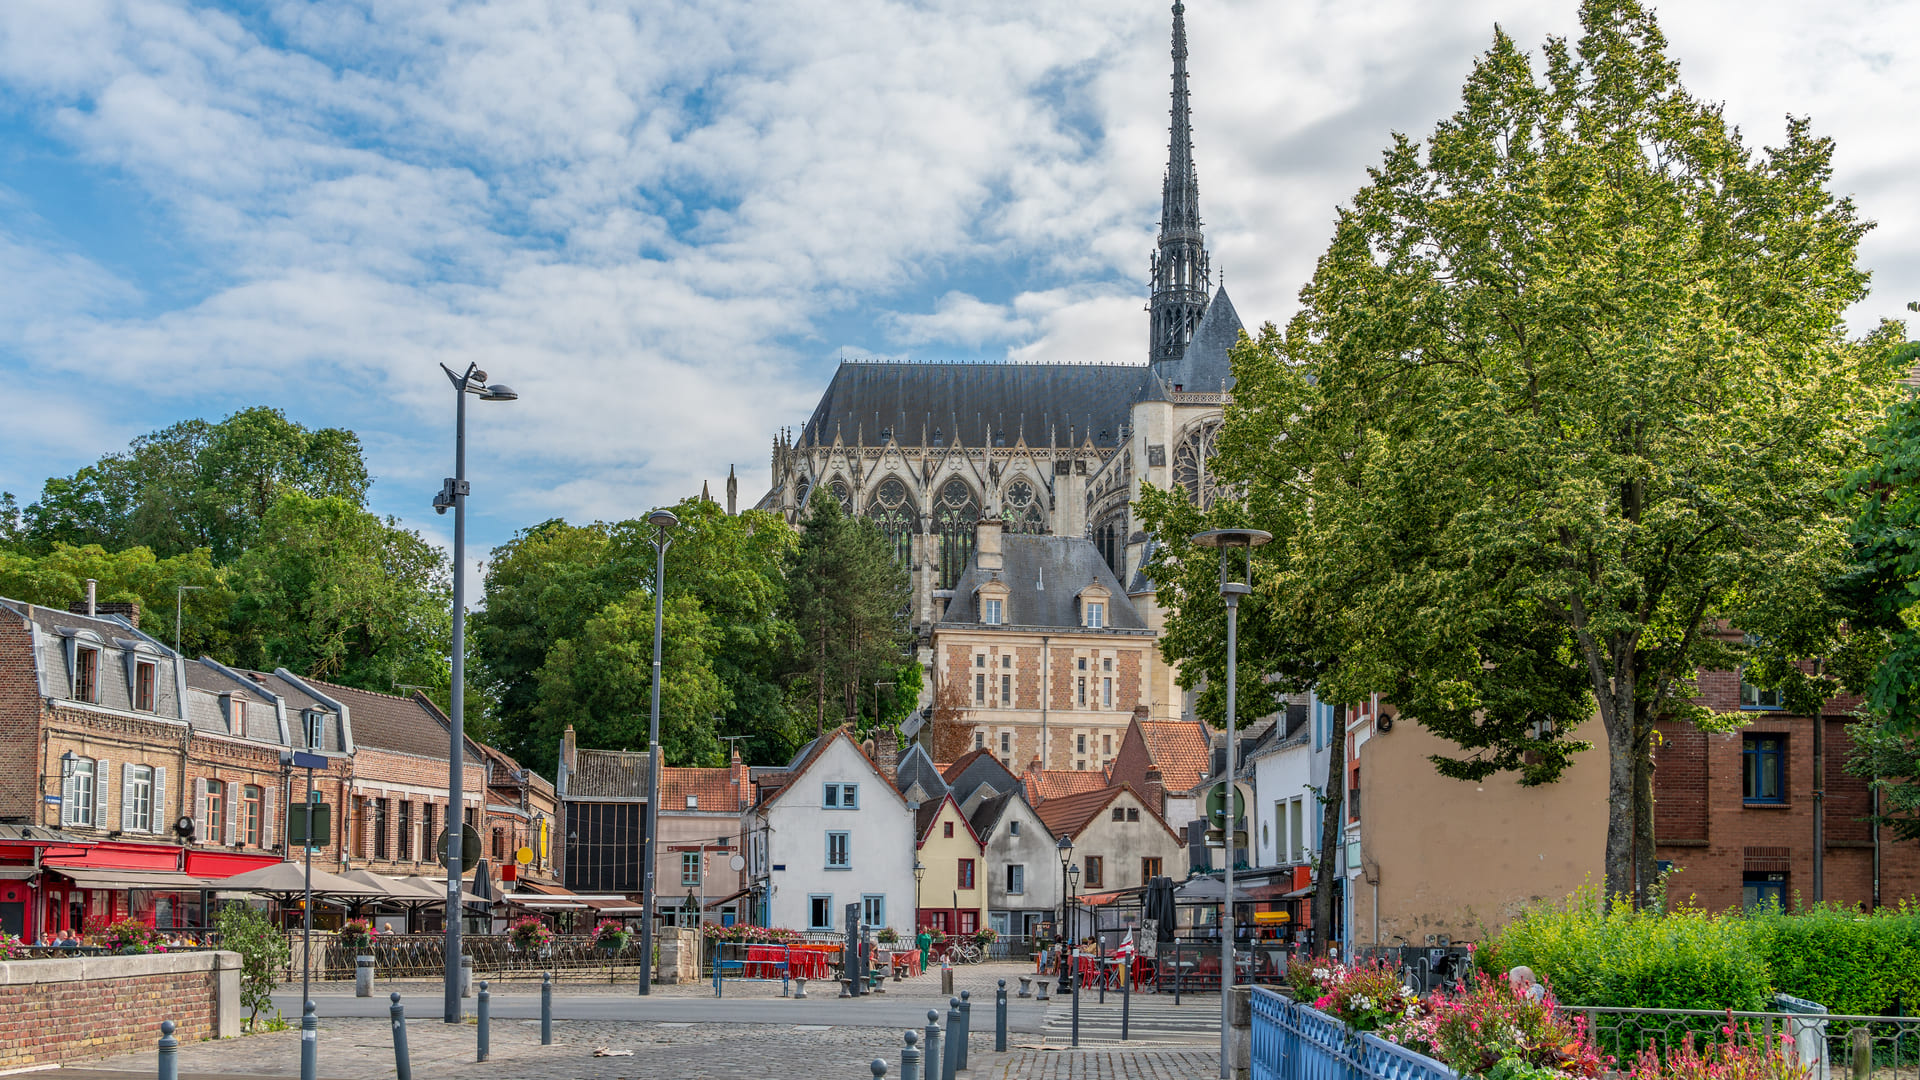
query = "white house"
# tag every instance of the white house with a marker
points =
(829, 832)
(1285, 794)
(1024, 870)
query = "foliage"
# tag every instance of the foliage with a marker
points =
(357, 933)
(1739, 1055)
(1605, 953)
(1853, 963)
(1581, 363)
(332, 592)
(753, 935)
(601, 681)
(264, 954)
(10, 946)
(132, 936)
(847, 598)
(1365, 997)
(611, 935)
(1493, 1029)
(197, 485)
(530, 933)
(57, 578)
(887, 935)
(1891, 762)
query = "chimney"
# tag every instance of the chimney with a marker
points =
(93, 587)
(567, 756)
(986, 545)
(1156, 796)
(129, 609)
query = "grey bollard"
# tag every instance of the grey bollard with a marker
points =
(910, 1057)
(466, 976)
(1026, 986)
(546, 1008)
(950, 1061)
(946, 978)
(966, 1028)
(931, 1055)
(1044, 983)
(799, 988)
(879, 1067)
(1126, 998)
(363, 976)
(309, 1042)
(1000, 1019)
(402, 1064)
(169, 1052)
(484, 1018)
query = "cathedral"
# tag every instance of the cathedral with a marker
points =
(930, 451)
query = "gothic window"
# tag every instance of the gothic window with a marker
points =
(800, 494)
(1110, 538)
(955, 514)
(841, 492)
(1193, 460)
(1022, 511)
(892, 510)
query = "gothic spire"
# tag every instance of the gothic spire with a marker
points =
(1181, 282)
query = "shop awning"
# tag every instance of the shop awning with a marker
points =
(16, 873)
(102, 878)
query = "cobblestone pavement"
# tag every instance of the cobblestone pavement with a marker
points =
(1105, 1064)
(978, 978)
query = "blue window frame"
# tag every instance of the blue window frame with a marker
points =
(1758, 890)
(839, 851)
(840, 797)
(873, 909)
(1763, 768)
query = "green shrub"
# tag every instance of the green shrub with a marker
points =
(263, 955)
(1593, 953)
(1853, 963)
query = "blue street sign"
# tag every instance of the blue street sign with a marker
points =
(304, 760)
(53, 800)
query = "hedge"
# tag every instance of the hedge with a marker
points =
(1851, 962)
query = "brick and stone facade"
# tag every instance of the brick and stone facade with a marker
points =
(76, 1010)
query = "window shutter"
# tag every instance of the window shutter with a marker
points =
(266, 816)
(159, 821)
(66, 798)
(200, 811)
(233, 812)
(102, 793)
(126, 797)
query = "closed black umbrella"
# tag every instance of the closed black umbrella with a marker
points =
(1160, 907)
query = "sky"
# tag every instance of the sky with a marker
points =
(664, 222)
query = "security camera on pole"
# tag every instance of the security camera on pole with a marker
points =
(1236, 561)
(454, 494)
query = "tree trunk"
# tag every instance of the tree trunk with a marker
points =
(1333, 804)
(1620, 802)
(1646, 865)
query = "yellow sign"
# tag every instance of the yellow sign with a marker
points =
(1271, 917)
(523, 856)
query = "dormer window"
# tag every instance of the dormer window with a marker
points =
(990, 612)
(143, 683)
(316, 730)
(86, 674)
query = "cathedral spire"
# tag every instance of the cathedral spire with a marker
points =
(1181, 283)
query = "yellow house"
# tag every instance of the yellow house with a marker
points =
(951, 870)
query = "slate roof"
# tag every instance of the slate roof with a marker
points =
(605, 774)
(978, 767)
(916, 767)
(1039, 402)
(988, 814)
(1204, 368)
(404, 725)
(1043, 785)
(1183, 749)
(1044, 576)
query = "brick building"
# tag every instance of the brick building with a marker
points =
(1735, 812)
(1038, 645)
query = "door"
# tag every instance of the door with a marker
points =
(998, 920)
(13, 918)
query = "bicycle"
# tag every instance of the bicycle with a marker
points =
(968, 953)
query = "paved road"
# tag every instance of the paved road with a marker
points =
(1151, 1018)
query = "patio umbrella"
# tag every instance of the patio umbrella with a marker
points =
(1207, 890)
(287, 882)
(388, 888)
(1159, 907)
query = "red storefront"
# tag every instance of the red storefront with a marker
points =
(51, 881)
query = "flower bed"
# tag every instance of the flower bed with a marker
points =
(753, 935)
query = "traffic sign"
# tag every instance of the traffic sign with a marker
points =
(297, 835)
(469, 847)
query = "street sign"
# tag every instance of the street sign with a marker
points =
(523, 856)
(53, 800)
(1217, 804)
(304, 760)
(469, 847)
(297, 825)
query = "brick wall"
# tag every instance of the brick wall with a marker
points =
(1680, 763)
(19, 720)
(54, 1011)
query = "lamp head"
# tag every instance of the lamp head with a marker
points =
(499, 392)
(1065, 848)
(1236, 554)
(662, 519)
(1073, 872)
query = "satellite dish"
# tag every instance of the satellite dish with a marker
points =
(738, 862)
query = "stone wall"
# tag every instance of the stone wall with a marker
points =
(679, 955)
(54, 1011)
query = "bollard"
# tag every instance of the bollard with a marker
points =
(169, 1052)
(1176, 973)
(965, 1039)
(1026, 986)
(485, 997)
(879, 1067)
(1076, 1012)
(309, 1042)
(1044, 983)
(800, 988)
(402, 1065)
(950, 1060)
(546, 1008)
(1862, 1046)
(1126, 996)
(466, 976)
(1000, 1019)
(910, 1057)
(363, 976)
(946, 978)
(932, 1053)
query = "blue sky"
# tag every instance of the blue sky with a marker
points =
(663, 221)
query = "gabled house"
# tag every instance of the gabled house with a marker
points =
(950, 885)
(1044, 784)
(1119, 842)
(976, 777)
(1166, 761)
(1023, 865)
(603, 817)
(699, 819)
(827, 832)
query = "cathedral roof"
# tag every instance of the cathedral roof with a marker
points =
(1204, 368)
(930, 404)
(1044, 576)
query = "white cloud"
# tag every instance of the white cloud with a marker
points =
(658, 219)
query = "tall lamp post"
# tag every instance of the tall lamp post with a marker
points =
(1236, 562)
(453, 493)
(1065, 850)
(663, 523)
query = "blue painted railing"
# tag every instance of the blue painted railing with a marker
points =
(1291, 1041)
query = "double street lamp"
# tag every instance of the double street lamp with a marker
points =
(663, 523)
(453, 493)
(1236, 563)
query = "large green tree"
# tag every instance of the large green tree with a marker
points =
(1595, 346)
(848, 600)
(58, 579)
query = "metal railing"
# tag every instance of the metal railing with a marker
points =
(1291, 1041)
(1830, 1045)
(494, 955)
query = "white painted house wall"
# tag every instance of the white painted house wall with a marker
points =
(792, 830)
(1281, 778)
(1033, 850)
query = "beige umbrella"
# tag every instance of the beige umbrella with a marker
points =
(388, 888)
(436, 889)
(287, 881)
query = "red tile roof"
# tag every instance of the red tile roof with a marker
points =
(723, 791)
(1068, 814)
(1045, 784)
(1182, 748)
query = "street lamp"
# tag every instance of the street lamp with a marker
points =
(453, 494)
(1065, 850)
(919, 875)
(1073, 909)
(1236, 562)
(663, 523)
